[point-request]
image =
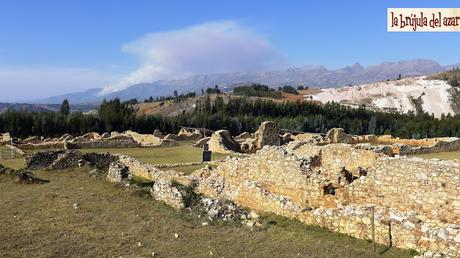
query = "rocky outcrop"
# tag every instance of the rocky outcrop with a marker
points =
(222, 142)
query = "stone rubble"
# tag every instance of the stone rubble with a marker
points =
(5, 138)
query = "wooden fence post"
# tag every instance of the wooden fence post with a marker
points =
(373, 230)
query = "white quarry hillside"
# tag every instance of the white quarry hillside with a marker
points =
(433, 96)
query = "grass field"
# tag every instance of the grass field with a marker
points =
(161, 155)
(441, 155)
(10, 159)
(41, 221)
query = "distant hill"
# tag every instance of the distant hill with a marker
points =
(416, 94)
(312, 76)
(88, 96)
(44, 107)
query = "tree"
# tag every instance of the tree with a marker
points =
(453, 82)
(372, 125)
(175, 93)
(65, 108)
(289, 89)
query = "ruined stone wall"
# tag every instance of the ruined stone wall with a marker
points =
(151, 172)
(274, 169)
(411, 184)
(416, 201)
(144, 139)
(117, 141)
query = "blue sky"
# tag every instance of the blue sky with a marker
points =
(88, 44)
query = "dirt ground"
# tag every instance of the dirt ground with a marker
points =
(77, 215)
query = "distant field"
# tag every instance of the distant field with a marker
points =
(162, 155)
(41, 221)
(441, 155)
(159, 155)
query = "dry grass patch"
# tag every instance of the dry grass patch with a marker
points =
(42, 221)
(441, 155)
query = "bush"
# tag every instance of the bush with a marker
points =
(289, 89)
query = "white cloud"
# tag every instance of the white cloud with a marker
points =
(20, 83)
(214, 47)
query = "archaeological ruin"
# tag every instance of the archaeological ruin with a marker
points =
(344, 183)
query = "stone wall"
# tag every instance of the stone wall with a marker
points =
(334, 186)
(115, 141)
(415, 201)
(5, 138)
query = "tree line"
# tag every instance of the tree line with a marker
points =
(452, 77)
(236, 114)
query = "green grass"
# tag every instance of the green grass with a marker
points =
(13, 163)
(441, 155)
(40, 221)
(161, 155)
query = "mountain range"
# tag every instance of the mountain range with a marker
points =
(315, 76)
